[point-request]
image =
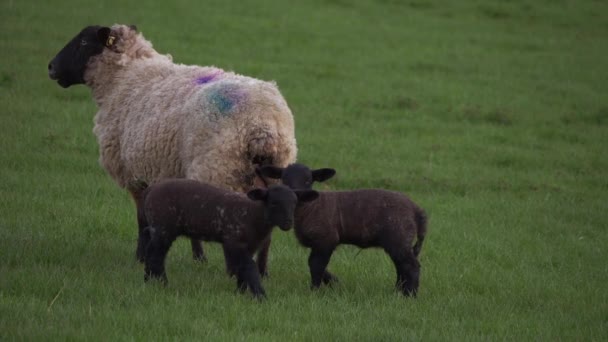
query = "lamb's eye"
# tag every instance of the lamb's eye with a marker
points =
(83, 42)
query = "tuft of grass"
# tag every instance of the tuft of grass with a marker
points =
(492, 116)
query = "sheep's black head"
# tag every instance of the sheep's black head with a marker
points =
(297, 176)
(68, 67)
(280, 203)
(70, 64)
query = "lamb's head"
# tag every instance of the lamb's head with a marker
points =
(297, 176)
(71, 63)
(280, 203)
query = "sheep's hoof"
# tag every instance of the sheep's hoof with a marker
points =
(260, 297)
(199, 257)
(409, 293)
(162, 278)
(259, 294)
(140, 255)
(330, 279)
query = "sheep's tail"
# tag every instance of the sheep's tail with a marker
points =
(421, 220)
(267, 146)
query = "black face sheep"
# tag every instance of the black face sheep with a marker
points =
(296, 176)
(189, 208)
(158, 119)
(364, 218)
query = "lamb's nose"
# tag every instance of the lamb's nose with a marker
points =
(52, 72)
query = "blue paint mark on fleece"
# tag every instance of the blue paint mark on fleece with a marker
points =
(223, 103)
(225, 98)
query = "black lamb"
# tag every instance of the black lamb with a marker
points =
(181, 207)
(364, 218)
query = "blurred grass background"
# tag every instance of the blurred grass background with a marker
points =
(490, 114)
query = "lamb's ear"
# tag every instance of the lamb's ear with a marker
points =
(321, 175)
(133, 28)
(306, 195)
(105, 37)
(257, 194)
(271, 171)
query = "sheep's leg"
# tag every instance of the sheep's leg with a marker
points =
(231, 262)
(143, 236)
(408, 271)
(317, 262)
(262, 258)
(142, 243)
(247, 275)
(412, 274)
(156, 253)
(197, 250)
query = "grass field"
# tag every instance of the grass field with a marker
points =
(492, 115)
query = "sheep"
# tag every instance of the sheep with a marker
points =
(184, 207)
(364, 218)
(157, 119)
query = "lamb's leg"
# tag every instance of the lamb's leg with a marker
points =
(197, 250)
(231, 262)
(408, 271)
(142, 243)
(247, 275)
(317, 262)
(262, 258)
(156, 253)
(143, 236)
(411, 270)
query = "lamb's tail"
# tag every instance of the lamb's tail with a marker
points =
(137, 187)
(421, 220)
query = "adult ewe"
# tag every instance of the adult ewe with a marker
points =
(158, 119)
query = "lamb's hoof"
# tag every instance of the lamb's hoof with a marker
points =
(162, 278)
(140, 256)
(199, 257)
(330, 279)
(314, 287)
(241, 288)
(259, 296)
(265, 274)
(410, 293)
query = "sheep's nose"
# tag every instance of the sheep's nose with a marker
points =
(286, 225)
(52, 72)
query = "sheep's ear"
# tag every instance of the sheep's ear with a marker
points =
(321, 175)
(257, 194)
(306, 195)
(105, 37)
(271, 171)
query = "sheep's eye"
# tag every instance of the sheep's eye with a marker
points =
(83, 42)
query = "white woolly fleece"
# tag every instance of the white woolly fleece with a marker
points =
(158, 119)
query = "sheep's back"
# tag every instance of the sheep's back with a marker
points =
(159, 120)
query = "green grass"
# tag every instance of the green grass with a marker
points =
(492, 115)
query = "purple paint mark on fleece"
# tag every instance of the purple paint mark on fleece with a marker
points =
(208, 78)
